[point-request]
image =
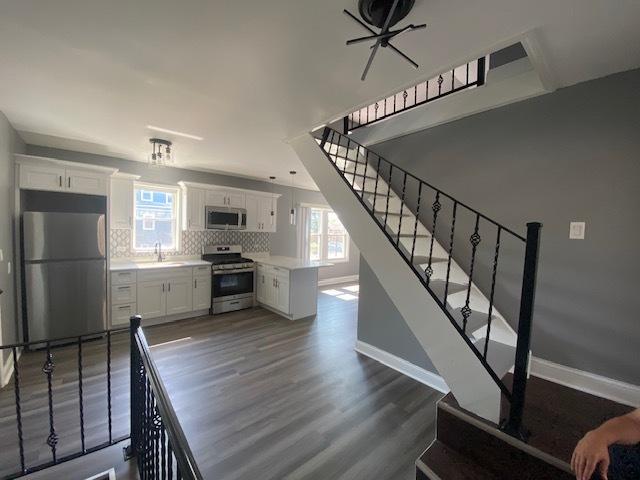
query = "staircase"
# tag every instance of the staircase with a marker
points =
(410, 232)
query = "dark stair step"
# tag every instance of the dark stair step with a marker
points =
(440, 462)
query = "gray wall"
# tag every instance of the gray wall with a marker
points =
(283, 242)
(570, 155)
(10, 143)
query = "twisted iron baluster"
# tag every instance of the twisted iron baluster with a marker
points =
(453, 228)
(16, 391)
(440, 80)
(47, 369)
(475, 240)
(426, 92)
(415, 94)
(493, 289)
(169, 460)
(436, 208)
(404, 188)
(109, 386)
(163, 452)
(386, 212)
(81, 394)
(404, 97)
(415, 226)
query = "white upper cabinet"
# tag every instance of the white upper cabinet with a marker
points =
(40, 173)
(196, 196)
(121, 201)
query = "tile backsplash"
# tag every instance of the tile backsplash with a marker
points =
(192, 242)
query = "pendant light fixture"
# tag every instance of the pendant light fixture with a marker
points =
(292, 213)
(161, 154)
(272, 179)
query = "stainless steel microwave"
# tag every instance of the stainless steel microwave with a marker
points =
(225, 218)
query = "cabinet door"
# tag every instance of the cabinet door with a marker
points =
(121, 294)
(236, 199)
(42, 177)
(282, 294)
(261, 286)
(85, 181)
(253, 213)
(151, 299)
(267, 221)
(202, 292)
(195, 209)
(216, 197)
(121, 203)
(179, 295)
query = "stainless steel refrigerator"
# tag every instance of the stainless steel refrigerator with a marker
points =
(65, 273)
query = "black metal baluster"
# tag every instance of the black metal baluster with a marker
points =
(47, 368)
(453, 228)
(493, 289)
(16, 392)
(415, 226)
(163, 452)
(453, 79)
(109, 421)
(440, 80)
(404, 97)
(364, 179)
(386, 211)
(394, 103)
(375, 111)
(81, 394)
(426, 93)
(169, 460)
(156, 442)
(375, 191)
(404, 188)
(475, 241)
(415, 94)
(467, 82)
(436, 208)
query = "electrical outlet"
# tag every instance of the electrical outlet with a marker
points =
(576, 230)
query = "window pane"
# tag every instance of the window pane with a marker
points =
(314, 247)
(336, 247)
(334, 226)
(155, 219)
(315, 222)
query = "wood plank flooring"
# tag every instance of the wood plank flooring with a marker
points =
(258, 396)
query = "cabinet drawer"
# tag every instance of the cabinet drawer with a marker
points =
(123, 277)
(123, 294)
(202, 270)
(120, 314)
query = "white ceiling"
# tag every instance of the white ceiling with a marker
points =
(90, 75)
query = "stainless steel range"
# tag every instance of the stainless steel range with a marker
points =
(232, 278)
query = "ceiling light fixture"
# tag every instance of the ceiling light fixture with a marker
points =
(161, 156)
(173, 132)
(292, 213)
(272, 179)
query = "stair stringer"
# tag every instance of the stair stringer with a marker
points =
(470, 382)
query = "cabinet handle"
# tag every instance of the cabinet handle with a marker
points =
(124, 288)
(163, 288)
(60, 179)
(123, 307)
(195, 283)
(69, 182)
(169, 286)
(130, 224)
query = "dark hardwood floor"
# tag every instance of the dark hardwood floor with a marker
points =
(258, 396)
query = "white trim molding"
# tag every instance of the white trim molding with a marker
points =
(335, 280)
(420, 374)
(621, 392)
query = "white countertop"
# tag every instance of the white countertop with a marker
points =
(289, 263)
(119, 265)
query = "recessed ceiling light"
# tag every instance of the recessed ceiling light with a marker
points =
(173, 132)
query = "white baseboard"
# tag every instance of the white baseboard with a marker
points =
(333, 281)
(406, 368)
(621, 392)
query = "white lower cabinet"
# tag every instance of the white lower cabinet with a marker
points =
(152, 299)
(201, 292)
(292, 293)
(157, 293)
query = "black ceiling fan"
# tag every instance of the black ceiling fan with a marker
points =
(383, 14)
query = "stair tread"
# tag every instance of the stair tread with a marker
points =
(438, 287)
(474, 321)
(500, 357)
(447, 463)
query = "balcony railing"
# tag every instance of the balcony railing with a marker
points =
(469, 75)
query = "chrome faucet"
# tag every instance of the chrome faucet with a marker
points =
(158, 251)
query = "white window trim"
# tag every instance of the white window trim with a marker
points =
(176, 208)
(324, 242)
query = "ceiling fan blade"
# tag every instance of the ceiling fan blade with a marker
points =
(360, 22)
(395, 50)
(362, 39)
(390, 34)
(387, 22)
(370, 61)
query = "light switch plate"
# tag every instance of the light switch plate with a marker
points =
(576, 230)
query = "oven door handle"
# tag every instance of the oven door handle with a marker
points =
(239, 270)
